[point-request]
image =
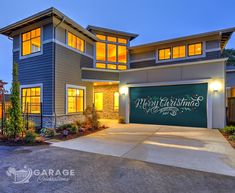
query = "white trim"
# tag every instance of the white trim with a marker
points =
(213, 50)
(99, 80)
(232, 70)
(209, 95)
(66, 99)
(35, 53)
(101, 70)
(176, 65)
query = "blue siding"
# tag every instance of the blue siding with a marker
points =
(38, 69)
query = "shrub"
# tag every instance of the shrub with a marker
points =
(232, 138)
(229, 130)
(91, 118)
(50, 132)
(73, 129)
(122, 120)
(30, 136)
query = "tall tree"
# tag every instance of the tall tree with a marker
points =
(15, 121)
(230, 54)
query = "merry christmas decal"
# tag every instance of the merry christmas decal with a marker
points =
(169, 105)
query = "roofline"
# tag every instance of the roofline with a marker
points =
(217, 32)
(51, 11)
(96, 28)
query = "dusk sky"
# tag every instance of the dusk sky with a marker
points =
(153, 20)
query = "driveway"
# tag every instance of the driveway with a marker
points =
(103, 174)
(192, 148)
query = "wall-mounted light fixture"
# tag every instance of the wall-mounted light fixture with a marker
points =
(123, 90)
(216, 86)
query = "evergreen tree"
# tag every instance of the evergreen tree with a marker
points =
(15, 121)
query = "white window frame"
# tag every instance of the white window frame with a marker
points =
(40, 85)
(66, 97)
(32, 54)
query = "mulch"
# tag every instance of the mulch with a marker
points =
(227, 138)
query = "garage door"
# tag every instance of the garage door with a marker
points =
(181, 105)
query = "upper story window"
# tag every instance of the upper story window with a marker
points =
(111, 52)
(164, 54)
(76, 42)
(31, 42)
(179, 52)
(195, 49)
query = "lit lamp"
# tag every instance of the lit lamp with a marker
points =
(123, 90)
(216, 86)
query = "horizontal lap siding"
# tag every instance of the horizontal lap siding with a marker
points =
(68, 71)
(209, 56)
(38, 69)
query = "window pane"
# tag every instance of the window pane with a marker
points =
(164, 54)
(100, 65)
(36, 44)
(122, 67)
(116, 101)
(112, 49)
(195, 49)
(100, 51)
(26, 49)
(101, 37)
(76, 42)
(71, 104)
(80, 44)
(112, 39)
(80, 104)
(112, 66)
(122, 54)
(98, 101)
(121, 40)
(26, 36)
(179, 52)
(75, 100)
(198, 49)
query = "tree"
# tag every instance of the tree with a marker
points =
(15, 121)
(230, 54)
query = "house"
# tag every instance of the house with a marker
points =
(6, 105)
(64, 68)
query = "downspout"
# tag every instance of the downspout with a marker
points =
(54, 60)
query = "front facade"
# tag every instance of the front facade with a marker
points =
(64, 68)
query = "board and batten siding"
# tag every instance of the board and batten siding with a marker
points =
(68, 71)
(36, 70)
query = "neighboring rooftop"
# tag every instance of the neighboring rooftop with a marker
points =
(224, 34)
(111, 31)
(44, 15)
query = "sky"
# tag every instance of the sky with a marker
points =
(153, 20)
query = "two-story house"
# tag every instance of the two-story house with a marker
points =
(66, 68)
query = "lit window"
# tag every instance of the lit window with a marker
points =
(179, 52)
(100, 51)
(98, 101)
(116, 101)
(112, 39)
(122, 54)
(31, 42)
(112, 52)
(122, 67)
(164, 54)
(100, 65)
(122, 41)
(31, 100)
(101, 37)
(75, 100)
(112, 66)
(75, 42)
(195, 49)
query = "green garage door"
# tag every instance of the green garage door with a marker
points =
(182, 105)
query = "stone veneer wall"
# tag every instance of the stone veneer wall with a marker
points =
(108, 101)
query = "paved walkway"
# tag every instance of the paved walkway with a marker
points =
(192, 148)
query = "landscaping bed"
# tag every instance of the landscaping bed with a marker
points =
(229, 133)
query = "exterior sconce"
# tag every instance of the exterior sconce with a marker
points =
(216, 86)
(123, 90)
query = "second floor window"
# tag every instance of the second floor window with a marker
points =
(111, 52)
(76, 42)
(164, 54)
(31, 42)
(195, 49)
(179, 52)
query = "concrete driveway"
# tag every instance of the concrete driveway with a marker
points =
(192, 148)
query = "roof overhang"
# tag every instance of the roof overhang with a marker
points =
(223, 35)
(48, 13)
(131, 36)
